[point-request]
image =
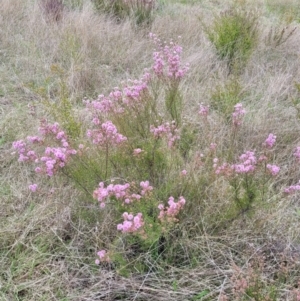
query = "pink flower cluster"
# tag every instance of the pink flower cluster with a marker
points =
(137, 151)
(132, 94)
(103, 104)
(106, 134)
(135, 93)
(293, 188)
(120, 192)
(223, 169)
(146, 188)
(131, 223)
(170, 212)
(54, 157)
(25, 154)
(33, 187)
(103, 257)
(183, 172)
(213, 146)
(167, 60)
(270, 141)
(168, 130)
(238, 114)
(247, 164)
(273, 169)
(203, 111)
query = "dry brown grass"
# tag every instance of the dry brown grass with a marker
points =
(48, 242)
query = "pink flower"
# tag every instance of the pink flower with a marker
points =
(238, 114)
(119, 191)
(103, 257)
(168, 130)
(247, 164)
(273, 169)
(262, 158)
(270, 141)
(96, 121)
(137, 151)
(167, 60)
(38, 170)
(213, 146)
(145, 187)
(33, 187)
(203, 110)
(131, 223)
(135, 196)
(184, 172)
(105, 134)
(34, 139)
(60, 135)
(293, 188)
(223, 169)
(170, 212)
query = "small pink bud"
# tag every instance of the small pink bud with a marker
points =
(184, 172)
(33, 187)
(137, 151)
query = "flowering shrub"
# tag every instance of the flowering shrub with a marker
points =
(245, 175)
(123, 147)
(167, 66)
(147, 167)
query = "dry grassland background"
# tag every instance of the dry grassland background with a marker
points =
(49, 240)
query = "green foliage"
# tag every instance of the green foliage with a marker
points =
(86, 172)
(244, 193)
(296, 99)
(201, 295)
(117, 8)
(143, 14)
(62, 109)
(225, 97)
(140, 12)
(70, 53)
(188, 138)
(234, 35)
(173, 103)
(289, 11)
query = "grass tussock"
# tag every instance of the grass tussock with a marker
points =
(232, 95)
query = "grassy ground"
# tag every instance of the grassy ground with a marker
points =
(48, 240)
